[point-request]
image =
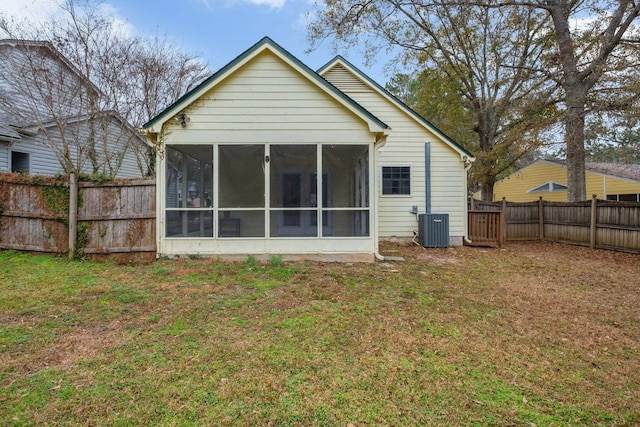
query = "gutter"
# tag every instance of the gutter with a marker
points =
(467, 165)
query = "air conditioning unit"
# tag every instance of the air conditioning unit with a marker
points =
(433, 230)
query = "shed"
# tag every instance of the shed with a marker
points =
(269, 157)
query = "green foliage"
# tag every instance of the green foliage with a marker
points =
(614, 141)
(96, 178)
(82, 238)
(275, 260)
(475, 70)
(56, 198)
(437, 97)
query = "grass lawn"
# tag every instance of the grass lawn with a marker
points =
(536, 334)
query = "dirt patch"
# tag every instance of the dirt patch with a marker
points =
(83, 344)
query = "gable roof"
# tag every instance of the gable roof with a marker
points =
(340, 61)
(155, 124)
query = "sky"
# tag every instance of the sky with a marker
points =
(216, 30)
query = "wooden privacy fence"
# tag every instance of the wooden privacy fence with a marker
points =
(596, 223)
(486, 228)
(115, 217)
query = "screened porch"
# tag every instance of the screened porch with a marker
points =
(267, 191)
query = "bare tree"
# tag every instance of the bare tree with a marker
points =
(486, 54)
(137, 77)
(585, 55)
(594, 62)
(43, 92)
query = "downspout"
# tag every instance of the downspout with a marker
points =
(427, 178)
(381, 140)
(154, 138)
(467, 165)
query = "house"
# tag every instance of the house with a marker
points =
(548, 179)
(47, 120)
(269, 157)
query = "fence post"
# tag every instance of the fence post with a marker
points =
(503, 218)
(594, 221)
(73, 213)
(472, 204)
(541, 218)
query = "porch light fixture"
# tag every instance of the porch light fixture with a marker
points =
(182, 119)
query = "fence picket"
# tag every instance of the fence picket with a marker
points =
(114, 217)
(616, 225)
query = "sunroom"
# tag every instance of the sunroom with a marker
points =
(267, 198)
(267, 158)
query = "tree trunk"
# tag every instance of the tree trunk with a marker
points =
(486, 191)
(574, 140)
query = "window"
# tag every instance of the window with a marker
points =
(19, 162)
(189, 184)
(345, 211)
(624, 197)
(241, 190)
(396, 180)
(293, 198)
(548, 187)
(267, 191)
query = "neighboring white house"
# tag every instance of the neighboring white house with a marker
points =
(269, 157)
(42, 95)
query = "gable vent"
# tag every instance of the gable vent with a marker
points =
(341, 78)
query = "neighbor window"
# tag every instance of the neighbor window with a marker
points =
(624, 197)
(19, 162)
(548, 187)
(396, 180)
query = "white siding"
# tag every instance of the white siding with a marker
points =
(406, 147)
(341, 78)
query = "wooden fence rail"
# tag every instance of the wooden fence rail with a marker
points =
(596, 223)
(113, 217)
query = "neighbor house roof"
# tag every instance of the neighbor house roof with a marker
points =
(618, 170)
(339, 60)
(8, 133)
(155, 124)
(34, 127)
(53, 52)
(628, 171)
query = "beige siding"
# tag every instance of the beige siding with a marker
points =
(406, 147)
(341, 78)
(268, 102)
